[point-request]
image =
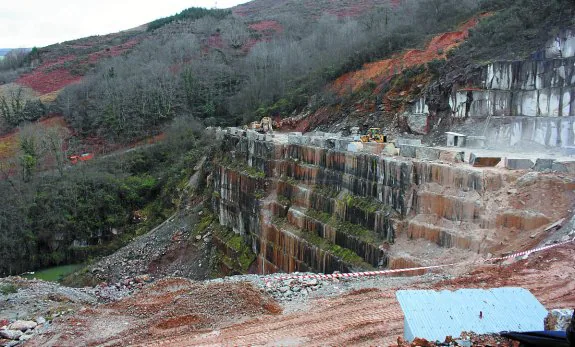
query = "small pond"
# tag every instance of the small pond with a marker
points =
(54, 274)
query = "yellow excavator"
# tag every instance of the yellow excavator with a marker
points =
(264, 126)
(374, 135)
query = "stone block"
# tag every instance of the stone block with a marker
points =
(330, 143)
(564, 166)
(475, 142)
(518, 164)
(390, 149)
(478, 161)
(427, 153)
(341, 145)
(318, 142)
(373, 147)
(569, 150)
(355, 147)
(543, 164)
(452, 156)
(407, 150)
(403, 141)
(294, 139)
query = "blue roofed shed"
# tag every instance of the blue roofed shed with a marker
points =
(433, 315)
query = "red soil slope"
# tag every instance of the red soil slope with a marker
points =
(383, 70)
(55, 73)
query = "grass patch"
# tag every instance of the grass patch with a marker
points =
(284, 200)
(204, 223)
(323, 217)
(327, 191)
(243, 167)
(357, 230)
(366, 204)
(7, 289)
(344, 254)
(244, 256)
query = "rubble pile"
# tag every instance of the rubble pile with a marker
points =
(290, 289)
(108, 292)
(19, 331)
(465, 340)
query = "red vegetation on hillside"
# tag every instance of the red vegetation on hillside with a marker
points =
(45, 82)
(267, 26)
(54, 74)
(112, 51)
(383, 70)
(215, 40)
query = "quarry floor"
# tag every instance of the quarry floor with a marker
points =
(180, 312)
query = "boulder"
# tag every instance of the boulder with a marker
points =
(418, 123)
(22, 325)
(527, 179)
(10, 334)
(558, 319)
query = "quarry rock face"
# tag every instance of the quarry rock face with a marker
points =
(526, 101)
(302, 207)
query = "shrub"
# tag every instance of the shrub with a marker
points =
(6, 289)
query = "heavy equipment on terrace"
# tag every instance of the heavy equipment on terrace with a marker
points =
(263, 126)
(373, 135)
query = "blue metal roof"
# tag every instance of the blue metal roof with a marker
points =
(433, 315)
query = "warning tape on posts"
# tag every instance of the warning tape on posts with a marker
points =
(413, 269)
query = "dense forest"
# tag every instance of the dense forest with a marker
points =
(197, 68)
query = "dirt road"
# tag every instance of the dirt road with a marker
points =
(363, 317)
(180, 312)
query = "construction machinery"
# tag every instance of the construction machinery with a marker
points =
(373, 135)
(263, 126)
(74, 159)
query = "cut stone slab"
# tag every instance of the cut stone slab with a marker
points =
(427, 153)
(543, 164)
(355, 147)
(478, 161)
(518, 164)
(475, 142)
(452, 156)
(403, 141)
(408, 150)
(390, 149)
(373, 147)
(564, 166)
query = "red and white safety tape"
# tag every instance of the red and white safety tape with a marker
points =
(385, 272)
(520, 254)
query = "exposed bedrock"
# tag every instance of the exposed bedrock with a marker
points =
(526, 101)
(307, 208)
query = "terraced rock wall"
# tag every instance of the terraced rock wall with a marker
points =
(308, 208)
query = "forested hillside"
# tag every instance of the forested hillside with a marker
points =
(200, 68)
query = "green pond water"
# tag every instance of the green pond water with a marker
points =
(56, 273)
